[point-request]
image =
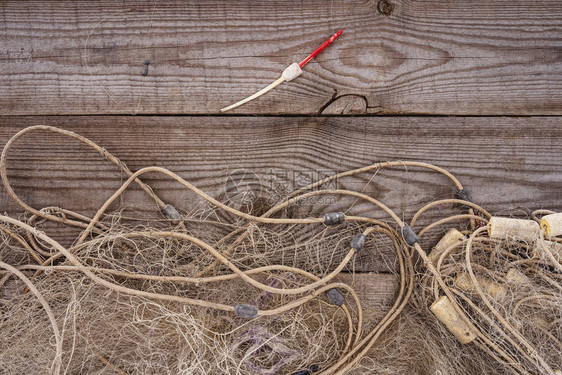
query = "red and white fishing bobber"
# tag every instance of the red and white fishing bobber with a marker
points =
(291, 72)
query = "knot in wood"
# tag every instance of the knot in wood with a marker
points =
(385, 7)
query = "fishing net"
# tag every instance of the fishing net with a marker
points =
(246, 288)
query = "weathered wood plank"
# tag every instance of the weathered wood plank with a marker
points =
(375, 290)
(453, 57)
(511, 165)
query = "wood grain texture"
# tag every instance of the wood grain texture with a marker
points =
(511, 165)
(375, 290)
(432, 57)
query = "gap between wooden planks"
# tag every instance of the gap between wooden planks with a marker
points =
(431, 57)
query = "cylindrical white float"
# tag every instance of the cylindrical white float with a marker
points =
(489, 287)
(446, 313)
(552, 224)
(515, 229)
(449, 239)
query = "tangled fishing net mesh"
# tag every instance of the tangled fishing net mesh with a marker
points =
(221, 288)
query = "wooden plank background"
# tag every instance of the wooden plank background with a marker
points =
(493, 66)
(425, 57)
